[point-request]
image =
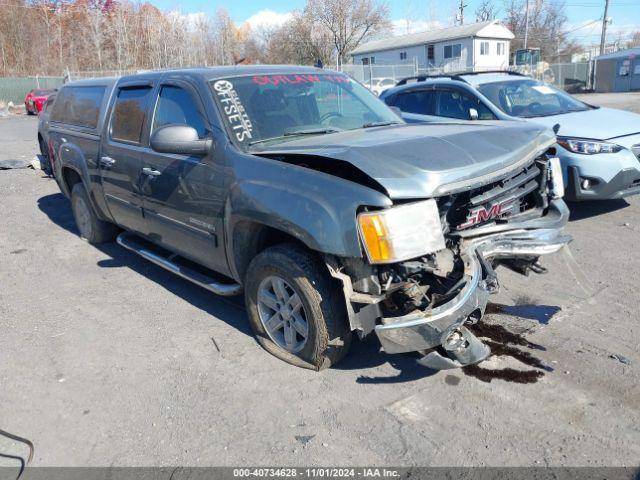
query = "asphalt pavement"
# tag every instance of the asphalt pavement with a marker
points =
(108, 360)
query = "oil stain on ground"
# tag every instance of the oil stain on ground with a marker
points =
(505, 343)
(452, 380)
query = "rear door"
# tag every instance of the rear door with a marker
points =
(184, 195)
(120, 161)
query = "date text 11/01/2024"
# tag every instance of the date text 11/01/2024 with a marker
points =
(316, 472)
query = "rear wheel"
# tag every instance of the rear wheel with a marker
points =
(44, 153)
(91, 228)
(295, 309)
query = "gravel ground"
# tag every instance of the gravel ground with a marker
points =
(108, 360)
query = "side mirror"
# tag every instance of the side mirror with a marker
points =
(180, 140)
(473, 114)
(397, 111)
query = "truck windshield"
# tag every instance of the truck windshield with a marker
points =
(528, 98)
(527, 57)
(267, 109)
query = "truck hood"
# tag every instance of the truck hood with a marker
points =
(597, 123)
(427, 160)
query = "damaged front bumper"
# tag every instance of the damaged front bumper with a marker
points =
(444, 325)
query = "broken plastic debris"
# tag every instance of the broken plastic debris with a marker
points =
(620, 358)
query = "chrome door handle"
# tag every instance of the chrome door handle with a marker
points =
(151, 172)
(107, 162)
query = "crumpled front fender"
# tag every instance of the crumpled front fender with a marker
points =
(316, 208)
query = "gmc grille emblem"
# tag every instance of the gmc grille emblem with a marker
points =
(481, 214)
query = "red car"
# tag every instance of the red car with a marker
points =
(34, 101)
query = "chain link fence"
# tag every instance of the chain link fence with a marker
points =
(572, 77)
(369, 75)
(14, 89)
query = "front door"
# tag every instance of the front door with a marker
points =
(456, 103)
(120, 160)
(183, 194)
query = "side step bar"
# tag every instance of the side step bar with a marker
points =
(142, 248)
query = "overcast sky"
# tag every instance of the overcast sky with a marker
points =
(423, 13)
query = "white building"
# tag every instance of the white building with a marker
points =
(476, 46)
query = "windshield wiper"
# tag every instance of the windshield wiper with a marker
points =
(312, 131)
(293, 133)
(379, 124)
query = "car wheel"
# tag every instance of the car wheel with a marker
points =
(295, 308)
(91, 228)
(44, 153)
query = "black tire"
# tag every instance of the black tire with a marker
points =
(329, 336)
(90, 227)
(44, 153)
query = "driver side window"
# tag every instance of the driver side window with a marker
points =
(456, 104)
(176, 107)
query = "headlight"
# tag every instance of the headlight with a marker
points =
(557, 182)
(588, 147)
(401, 233)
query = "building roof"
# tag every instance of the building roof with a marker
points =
(621, 54)
(432, 36)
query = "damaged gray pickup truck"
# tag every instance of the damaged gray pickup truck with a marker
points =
(300, 187)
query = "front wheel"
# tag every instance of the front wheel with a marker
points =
(295, 308)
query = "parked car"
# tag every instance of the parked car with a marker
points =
(35, 99)
(599, 148)
(43, 134)
(379, 85)
(305, 191)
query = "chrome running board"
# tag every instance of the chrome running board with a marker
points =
(145, 250)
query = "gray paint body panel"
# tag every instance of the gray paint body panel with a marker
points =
(314, 207)
(427, 160)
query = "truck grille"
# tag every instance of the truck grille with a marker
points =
(497, 201)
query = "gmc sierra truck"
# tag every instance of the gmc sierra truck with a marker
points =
(299, 187)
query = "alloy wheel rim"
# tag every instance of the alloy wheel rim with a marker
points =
(83, 218)
(282, 314)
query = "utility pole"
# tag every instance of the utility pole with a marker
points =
(526, 24)
(461, 8)
(604, 27)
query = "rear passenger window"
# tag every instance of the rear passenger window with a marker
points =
(419, 102)
(78, 106)
(176, 107)
(129, 113)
